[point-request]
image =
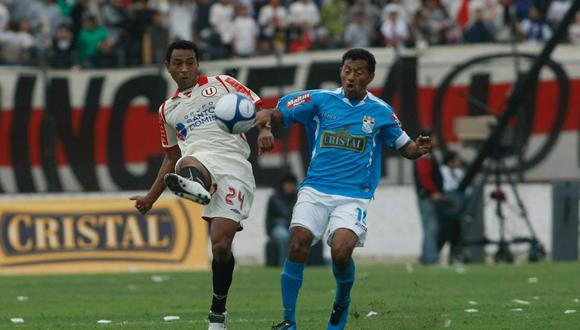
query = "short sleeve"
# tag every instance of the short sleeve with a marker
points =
(168, 136)
(392, 134)
(297, 107)
(232, 84)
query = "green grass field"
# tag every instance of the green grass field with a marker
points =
(426, 298)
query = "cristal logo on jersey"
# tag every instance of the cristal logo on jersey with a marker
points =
(368, 123)
(298, 100)
(396, 119)
(209, 91)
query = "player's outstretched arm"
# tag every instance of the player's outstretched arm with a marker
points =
(145, 203)
(265, 118)
(417, 148)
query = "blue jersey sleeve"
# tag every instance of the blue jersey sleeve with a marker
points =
(298, 107)
(392, 134)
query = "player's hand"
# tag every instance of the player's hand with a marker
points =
(142, 203)
(263, 119)
(423, 144)
(265, 140)
(436, 196)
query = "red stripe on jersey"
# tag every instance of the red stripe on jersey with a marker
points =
(220, 80)
(240, 88)
(202, 80)
(162, 122)
(243, 136)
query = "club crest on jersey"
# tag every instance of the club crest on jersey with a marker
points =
(368, 123)
(209, 91)
(396, 119)
(298, 100)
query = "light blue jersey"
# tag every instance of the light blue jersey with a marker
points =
(345, 139)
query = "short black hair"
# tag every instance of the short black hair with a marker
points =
(425, 132)
(289, 178)
(361, 54)
(449, 156)
(181, 44)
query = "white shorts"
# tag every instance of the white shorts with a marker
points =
(235, 182)
(319, 212)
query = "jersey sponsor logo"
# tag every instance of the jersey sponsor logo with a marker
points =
(342, 139)
(194, 120)
(368, 123)
(298, 100)
(209, 91)
(181, 131)
(240, 88)
(396, 120)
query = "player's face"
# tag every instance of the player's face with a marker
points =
(182, 67)
(355, 77)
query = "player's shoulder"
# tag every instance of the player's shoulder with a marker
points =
(378, 103)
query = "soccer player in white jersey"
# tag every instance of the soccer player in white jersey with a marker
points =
(346, 129)
(204, 164)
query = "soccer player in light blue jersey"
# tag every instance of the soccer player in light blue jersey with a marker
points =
(346, 129)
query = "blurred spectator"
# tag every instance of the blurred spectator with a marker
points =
(395, 29)
(90, 38)
(372, 12)
(359, 33)
(45, 17)
(139, 18)
(114, 18)
(429, 187)
(535, 29)
(4, 16)
(78, 12)
(16, 43)
(62, 54)
(300, 39)
(557, 10)
(279, 215)
(407, 10)
(305, 14)
(201, 21)
(221, 16)
(335, 18)
(574, 31)
(479, 31)
(155, 41)
(245, 33)
(436, 22)
(272, 17)
(450, 207)
(182, 14)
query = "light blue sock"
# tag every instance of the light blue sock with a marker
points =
(344, 281)
(292, 275)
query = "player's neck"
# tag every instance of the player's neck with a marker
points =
(189, 85)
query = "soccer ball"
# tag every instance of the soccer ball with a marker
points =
(235, 113)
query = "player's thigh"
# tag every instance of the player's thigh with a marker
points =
(350, 214)
(311, 212)
(232, 199)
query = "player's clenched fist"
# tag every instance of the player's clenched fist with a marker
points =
(424, 144)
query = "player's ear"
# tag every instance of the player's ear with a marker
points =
(371, 76)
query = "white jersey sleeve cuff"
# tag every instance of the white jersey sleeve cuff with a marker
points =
(402, 140)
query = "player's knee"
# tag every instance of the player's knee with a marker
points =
(341, 257)
(221, 250)
(299, 244)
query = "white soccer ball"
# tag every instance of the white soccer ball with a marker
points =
(235, 113)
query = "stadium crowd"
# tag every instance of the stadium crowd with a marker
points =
(121, 33)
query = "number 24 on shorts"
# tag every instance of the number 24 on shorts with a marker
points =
(233, 195)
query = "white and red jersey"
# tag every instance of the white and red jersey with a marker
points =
(187, 119)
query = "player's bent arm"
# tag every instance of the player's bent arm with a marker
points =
(172, 155)
(144, 203)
